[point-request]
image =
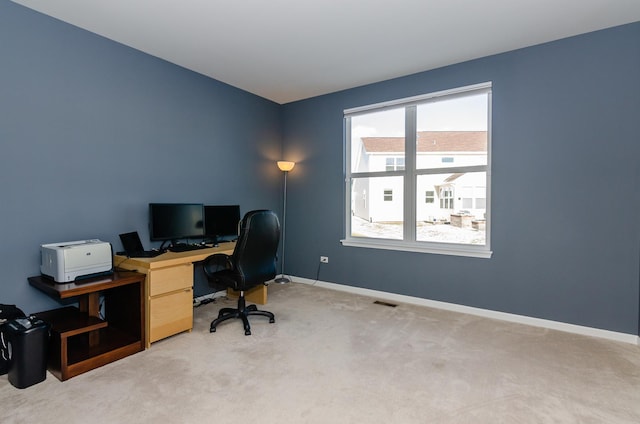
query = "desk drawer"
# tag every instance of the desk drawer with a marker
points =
(166, 280)
(170, 314)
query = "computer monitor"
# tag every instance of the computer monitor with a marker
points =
(175, 221)
(221, 222)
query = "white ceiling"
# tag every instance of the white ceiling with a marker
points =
(287, 50)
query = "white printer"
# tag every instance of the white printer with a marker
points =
(73, 260)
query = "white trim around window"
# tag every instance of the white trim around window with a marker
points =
(436, 160)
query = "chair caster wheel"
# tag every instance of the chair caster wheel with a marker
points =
(271, 320)
(212, 330)
(247, 332)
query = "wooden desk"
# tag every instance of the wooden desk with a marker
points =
(169, 289)
(81, 340)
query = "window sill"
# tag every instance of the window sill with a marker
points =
(445, 249)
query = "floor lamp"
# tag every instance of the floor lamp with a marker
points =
(285, 167)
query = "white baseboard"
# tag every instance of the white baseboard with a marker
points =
(520, 319)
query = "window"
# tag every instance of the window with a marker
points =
(394, 164)
(429, 196)
(446, 198)
(474, 197)
(430, 157)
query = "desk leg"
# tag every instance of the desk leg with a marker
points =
(90, 304)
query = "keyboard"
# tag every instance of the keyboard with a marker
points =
(141, 253)
(145, 254)
(186, 247)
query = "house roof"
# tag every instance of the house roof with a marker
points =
(431, 142)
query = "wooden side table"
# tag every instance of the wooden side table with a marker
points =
(82, 340)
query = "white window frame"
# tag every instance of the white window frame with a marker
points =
(410, 174)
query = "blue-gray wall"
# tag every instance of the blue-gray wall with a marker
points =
(92, 131)
(565, 191)
(81, 117)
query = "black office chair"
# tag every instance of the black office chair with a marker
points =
(252, 263)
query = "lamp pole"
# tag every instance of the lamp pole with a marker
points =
(285, 167)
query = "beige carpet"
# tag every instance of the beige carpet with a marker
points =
(333, 357)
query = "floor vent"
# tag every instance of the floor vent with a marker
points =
(379, 302)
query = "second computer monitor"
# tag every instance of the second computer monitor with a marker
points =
(221, 222)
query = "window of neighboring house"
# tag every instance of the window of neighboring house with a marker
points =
(446, 198)
(429, 196)
(474, 197)
(435, 145)
(394, 164)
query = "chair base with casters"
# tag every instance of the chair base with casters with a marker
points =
(241, 312)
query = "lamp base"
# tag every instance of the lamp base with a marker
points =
(282, 280)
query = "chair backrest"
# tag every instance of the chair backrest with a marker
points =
(255, 254)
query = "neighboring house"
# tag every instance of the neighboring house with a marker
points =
(440, 194)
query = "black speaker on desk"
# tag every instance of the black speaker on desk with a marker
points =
(24, 343)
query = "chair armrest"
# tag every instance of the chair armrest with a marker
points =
(216, 262)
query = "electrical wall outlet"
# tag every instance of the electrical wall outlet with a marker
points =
(324, 259)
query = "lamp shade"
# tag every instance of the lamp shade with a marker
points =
(285, 165)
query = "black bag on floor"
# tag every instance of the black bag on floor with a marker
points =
(7, 313)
